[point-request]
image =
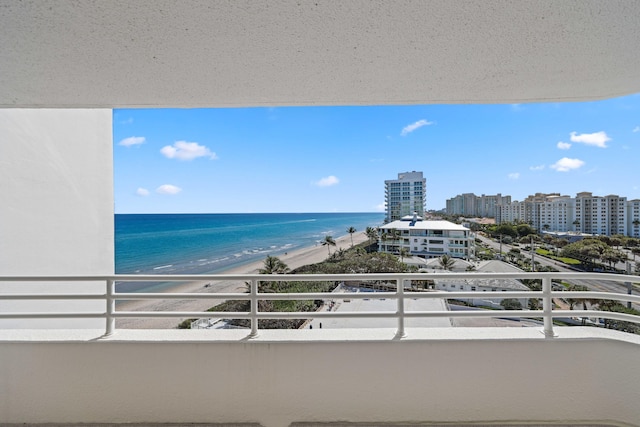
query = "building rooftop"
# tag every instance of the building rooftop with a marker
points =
(424, 225)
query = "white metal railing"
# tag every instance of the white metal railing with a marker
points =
(110, 296)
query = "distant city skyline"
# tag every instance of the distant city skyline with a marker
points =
(336, 159)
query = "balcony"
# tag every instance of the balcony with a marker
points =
(60, 81)
(542, 374)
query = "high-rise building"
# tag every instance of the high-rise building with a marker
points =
(633, 218)
(601, 215)
(585, 213)
(468, 204)
(405, 195)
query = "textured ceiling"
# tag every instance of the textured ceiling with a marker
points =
(158, 53)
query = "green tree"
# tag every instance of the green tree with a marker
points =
(372, 234)
(393, 235)
(576, 225)
(328, 242)
(574, 301)
(616, 241)
(446, 262)
(505, 229)
(403, 253)
(511, 304)
(273, 265)
(514, 253)
(351, 230)
(524, 230)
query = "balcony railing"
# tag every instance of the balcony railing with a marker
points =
(401, 283)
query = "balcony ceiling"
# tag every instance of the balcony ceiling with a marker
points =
(159, 53)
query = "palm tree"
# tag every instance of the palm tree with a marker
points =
(446, 262)
(384, 238)
(351, 230)
(328, 242)
(274, 265)
(403, 253)
(577, 224)
(393, 235)
(372, 234)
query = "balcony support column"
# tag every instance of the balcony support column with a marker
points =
(547, 308)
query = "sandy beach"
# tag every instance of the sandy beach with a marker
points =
(293, 259)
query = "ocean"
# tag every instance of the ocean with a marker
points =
(213, 243)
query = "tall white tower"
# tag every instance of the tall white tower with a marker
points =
(405, 195)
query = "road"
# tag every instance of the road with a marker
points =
(591, 284)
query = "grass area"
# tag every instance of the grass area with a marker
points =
(549, 254)
(352, 260)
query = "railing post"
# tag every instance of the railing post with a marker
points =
(254, 308)
(400, 299)
(547, 308)
(111, 307)
(629, 285)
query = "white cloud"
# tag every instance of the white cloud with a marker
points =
(636, 129)
(413, 126)
(563, 145)
(514, 175)
(168, 189)
(598, 139)
(566, 164)
(132, 140)
(143, 192)
(536, 168)
(183, 150)
(327, 181)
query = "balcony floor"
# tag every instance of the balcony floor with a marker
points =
(314, 424)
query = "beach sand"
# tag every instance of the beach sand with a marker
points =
(293, 259)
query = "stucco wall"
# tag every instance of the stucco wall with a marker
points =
(477, 374)
(56, 192)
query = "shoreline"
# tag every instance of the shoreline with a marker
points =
(294, 259)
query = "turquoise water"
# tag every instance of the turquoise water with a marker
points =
(213, 243)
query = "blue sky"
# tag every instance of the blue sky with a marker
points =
(335, 159)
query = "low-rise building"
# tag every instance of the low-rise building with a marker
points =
(486, 285)
(426, 239)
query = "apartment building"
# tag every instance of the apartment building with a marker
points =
(601, 215)
(586, 213)
(555, 213)
(468, 204)
(405, 195)
(427, 239)
(633, 218)
(513, 212)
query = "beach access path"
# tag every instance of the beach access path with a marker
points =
(293, 259)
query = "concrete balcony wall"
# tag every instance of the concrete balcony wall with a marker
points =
(56, 192)
(445, 375)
